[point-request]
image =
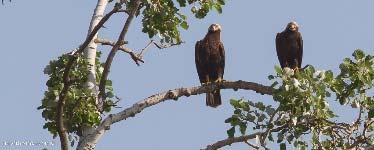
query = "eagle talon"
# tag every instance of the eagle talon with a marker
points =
(219, 80)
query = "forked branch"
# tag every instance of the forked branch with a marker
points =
(122, 48)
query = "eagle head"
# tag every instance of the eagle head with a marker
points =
(292, 26)
(214, 28)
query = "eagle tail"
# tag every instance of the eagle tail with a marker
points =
(213, 99)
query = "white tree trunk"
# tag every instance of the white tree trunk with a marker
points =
(90, 54)
(90, 51)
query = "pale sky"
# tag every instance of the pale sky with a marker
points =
(34, 32)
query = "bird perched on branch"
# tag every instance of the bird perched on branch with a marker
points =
(289, 45)
(210, 62)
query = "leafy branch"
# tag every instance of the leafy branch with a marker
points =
(303, 98)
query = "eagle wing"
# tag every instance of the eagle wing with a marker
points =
(280, 54)
(221, 69)
(199, 62)
(300, 54)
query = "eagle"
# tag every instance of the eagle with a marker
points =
(289, 45)
(210, 62)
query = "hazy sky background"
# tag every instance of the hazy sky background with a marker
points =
(34, 32)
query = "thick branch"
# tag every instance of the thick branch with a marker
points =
(59, 117)
(109, 60)
(172, 95)
(176, 93)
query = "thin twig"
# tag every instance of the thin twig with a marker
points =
(266, 133)
(251, 145)
(140, 55)
(159, 46)
(133, 56)
(359, 117)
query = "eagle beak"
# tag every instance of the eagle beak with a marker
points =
(293, 27)
(217, 27)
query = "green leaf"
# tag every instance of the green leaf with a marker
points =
(184, 25)
(243, 128)
(237, 111)
(270, 137)
(274, 84)
(235, 103)
(261, 118)
(250, 117)
(108, 83)
(371, 113)
(329, 76)
(231, 132)
(110, 94)
(228, 120)
(278, 69)
(260, 106)
(282, 146)
(221, 2)
(182, 3)
(271, 77)
(244, 105)
(235, 120)
(218, 8)
(358, 54)
(270, 111)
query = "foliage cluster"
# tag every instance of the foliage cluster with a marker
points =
(163, 17)
(304, 99)
(80, 107)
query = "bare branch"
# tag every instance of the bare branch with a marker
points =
(136, 57)
(176, 93)
(171, 95)
(109, 60)
(159, 46)
(358, 120)
(124, 10)
(122, 48)
(251, 145)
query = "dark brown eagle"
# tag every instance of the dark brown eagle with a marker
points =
(210, 62)
(289, 45)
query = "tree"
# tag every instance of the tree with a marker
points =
(79, 91)
(72, 104)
